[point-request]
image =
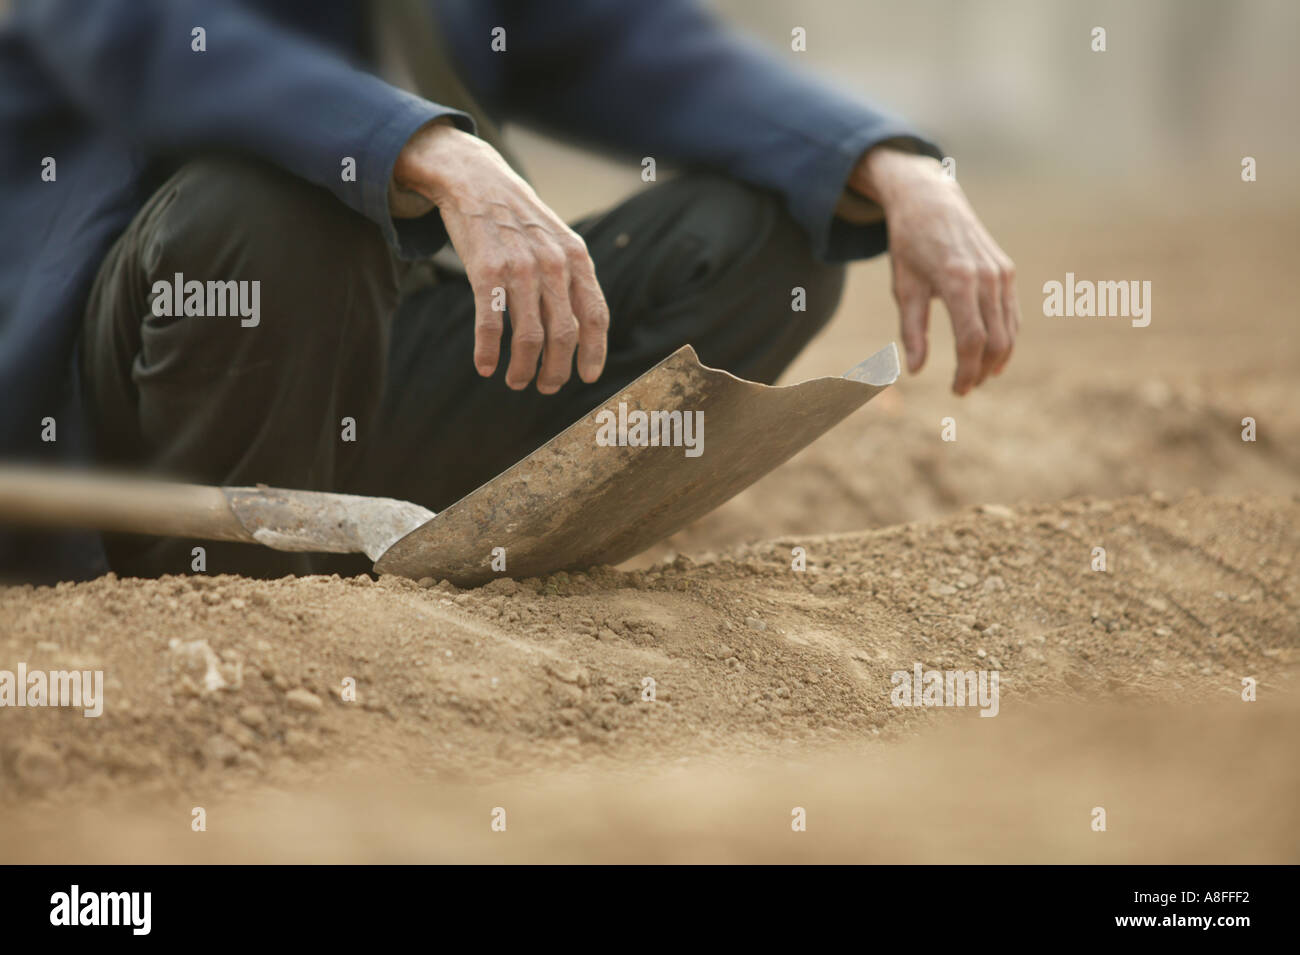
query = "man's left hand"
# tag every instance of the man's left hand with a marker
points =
(939, 247)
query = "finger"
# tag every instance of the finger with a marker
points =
(591, 311)
(913, 297)
(527, 334)
(1010, 309)
(557, 316)
(1010, 305)
(997, 342)
(488, 283)
(961, 295)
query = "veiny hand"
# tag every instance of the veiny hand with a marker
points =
(507, 238)
(938, 247)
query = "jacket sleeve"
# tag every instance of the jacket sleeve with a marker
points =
(666, 79)
(256, 89)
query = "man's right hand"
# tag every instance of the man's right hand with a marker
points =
(507, 239)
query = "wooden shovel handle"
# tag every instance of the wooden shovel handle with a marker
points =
(45, 497)
(317, 521)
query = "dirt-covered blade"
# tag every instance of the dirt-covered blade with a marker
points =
(603, 490)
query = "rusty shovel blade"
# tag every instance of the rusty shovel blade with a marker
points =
(604, 489)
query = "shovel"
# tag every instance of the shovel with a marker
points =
(600, 492)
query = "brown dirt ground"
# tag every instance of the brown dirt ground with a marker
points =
(1119, 689)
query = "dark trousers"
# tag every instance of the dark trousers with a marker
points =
(343, 334)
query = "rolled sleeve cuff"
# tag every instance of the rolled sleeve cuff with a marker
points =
(835, 239)
(410, 239)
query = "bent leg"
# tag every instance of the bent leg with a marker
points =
(209, 400)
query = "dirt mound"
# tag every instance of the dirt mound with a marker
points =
(217, 686)
(1032, 442)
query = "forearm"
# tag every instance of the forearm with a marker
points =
(254, 88)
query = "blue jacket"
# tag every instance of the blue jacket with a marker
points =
(111, 90)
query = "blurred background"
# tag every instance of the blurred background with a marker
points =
(1013, 90)
(1013, 85)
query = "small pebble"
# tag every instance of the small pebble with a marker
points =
(305, 700)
